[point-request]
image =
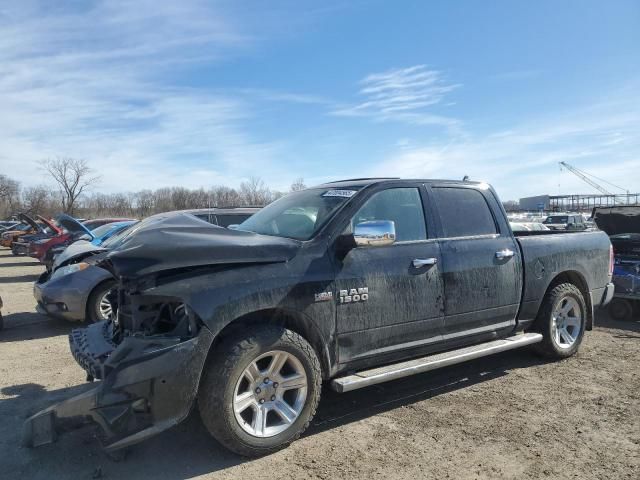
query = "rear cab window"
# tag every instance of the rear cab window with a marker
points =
(464, 212)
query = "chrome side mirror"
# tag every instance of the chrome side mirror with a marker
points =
(375, 233)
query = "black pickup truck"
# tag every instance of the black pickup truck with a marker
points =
(350, 283)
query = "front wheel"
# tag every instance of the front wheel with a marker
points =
(260, 390)
(561, 321)
(98, 305)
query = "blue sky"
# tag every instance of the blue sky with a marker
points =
(197, 93)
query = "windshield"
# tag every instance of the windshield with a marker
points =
(119, 237)
(93, 224)
(557, 219)
(298, 215)
(102, 230)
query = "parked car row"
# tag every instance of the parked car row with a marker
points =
(527, 226)
(37, 238)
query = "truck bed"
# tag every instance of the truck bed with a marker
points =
(585, 255)
(534, 233)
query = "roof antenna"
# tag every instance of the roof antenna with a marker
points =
(465, 178)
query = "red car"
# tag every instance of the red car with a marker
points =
(47, 230)
(73, 230)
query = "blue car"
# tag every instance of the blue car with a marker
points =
(107, 231)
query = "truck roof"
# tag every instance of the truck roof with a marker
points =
(222, 210)
(362, 182)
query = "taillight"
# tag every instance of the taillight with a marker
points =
(611, 260)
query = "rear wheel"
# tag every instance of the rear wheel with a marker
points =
(260, 390)
(620, 309)
(561, 321)
(98, 305)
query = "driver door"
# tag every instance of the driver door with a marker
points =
(389, 298)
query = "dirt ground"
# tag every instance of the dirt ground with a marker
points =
(507, 416)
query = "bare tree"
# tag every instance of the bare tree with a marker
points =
(37, 200)
(73, 176)
(298, 184)
(180, 198)
(223, 196)
(8, 187)
(144, 203)
(255, 193)
(9, 195)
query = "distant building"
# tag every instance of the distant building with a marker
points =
(539, 202)
(576, 202)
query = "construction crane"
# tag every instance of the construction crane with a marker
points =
(585, 177)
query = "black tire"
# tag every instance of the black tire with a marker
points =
(223, 372)
(544, 324)
(620, 309)
(93, 314)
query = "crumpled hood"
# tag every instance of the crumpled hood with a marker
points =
(77, 249)
(180, 240)
(617, 220)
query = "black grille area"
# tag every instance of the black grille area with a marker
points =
(92, 346)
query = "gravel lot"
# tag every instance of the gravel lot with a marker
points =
(507, 416)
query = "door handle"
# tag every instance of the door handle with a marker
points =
(423, 262)
(504, 254)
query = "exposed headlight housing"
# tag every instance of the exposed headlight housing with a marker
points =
(69, 269)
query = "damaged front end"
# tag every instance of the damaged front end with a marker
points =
(148, 361)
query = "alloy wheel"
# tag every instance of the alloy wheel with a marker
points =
(270, 394)
(104, 307)
(567, 322)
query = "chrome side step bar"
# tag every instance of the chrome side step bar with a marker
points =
(431, 362)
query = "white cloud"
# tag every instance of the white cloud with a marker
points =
(603, 139)
(402, 94)
(102, 83)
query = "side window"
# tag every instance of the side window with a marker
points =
(403, 206)
(464, 212)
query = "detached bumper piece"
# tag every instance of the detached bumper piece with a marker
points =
(148, 385)
(91, 347)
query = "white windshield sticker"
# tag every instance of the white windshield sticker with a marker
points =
(340, 193)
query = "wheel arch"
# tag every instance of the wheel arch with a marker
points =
(90, 293)
(575, 278)
(291, 320)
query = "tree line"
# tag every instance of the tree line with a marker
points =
(72, 194)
